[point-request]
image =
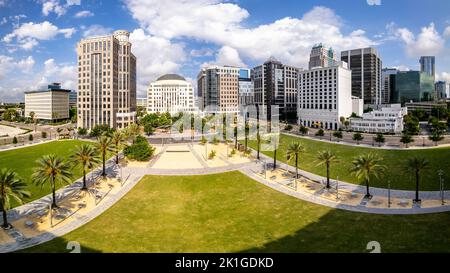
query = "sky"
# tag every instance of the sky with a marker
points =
(38, 37)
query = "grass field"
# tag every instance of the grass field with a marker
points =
(394, 159)
(229, 212)
(23, 161)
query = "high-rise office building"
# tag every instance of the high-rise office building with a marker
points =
(275, 84)
(413, 86)
(388, 84)
(246, 90)
(324, 96)
(106, 81)
(366, 65)
(218, 87)
(170, 93)
(427, 65)
(442, 90)
(322, 56)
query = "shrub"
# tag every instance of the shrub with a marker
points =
(14, 141)
(288, 127)
(233, 152)
(320, 133)
(140, 150)
(212, 154)
(101, 129)
(82, 131)
(30, 137)
(44, 134)
(203, 140)
(215, 141)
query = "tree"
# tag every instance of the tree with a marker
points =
(406, 139)
(320, 133)
(140, 150)
(30, 137)
(73, 115)
(82, 131)
(416, 165)
(327, 158)
(379, 138)
(11, 187)
(411, 125)
(357, 137)
(148, 129)
(338, 135)
(436, 136)
(14, 141)
(117, 139)
(52, 169)
(235, 133)
(104, 145)
(132, 131)
(293, 150)
(44, 134)
(101, 129)
(85, 156)
(342, 120)
(303, 130)
(367, 167)
(32, 116)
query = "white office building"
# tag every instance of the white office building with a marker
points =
(388, 120)
(170, 93)
(48, 104)
(325, 95)
(141, 102)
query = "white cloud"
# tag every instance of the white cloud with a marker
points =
(374, 2)
(155, 56)
(447, 32)
(52, 72)
(28, 34)
(203, 52)
(96, 30)
(289, 39)
(427, 42)
(57, 7)
(3, 21)
(443, 76)
(227, 56)
(84, 13)
(9, 65)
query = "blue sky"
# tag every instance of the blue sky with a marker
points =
(38, 37)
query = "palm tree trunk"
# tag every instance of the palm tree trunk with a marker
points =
(84, 179)
(104, 169)
(296, 166)
(117, 155)
(275, 159)
(367, 189)
(259, 144)
(5, 219)
(54, 205)
(417, 187)
(328, 175)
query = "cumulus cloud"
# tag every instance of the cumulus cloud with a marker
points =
(227, 56)
(10, 65)
(443, 76)
(57, 7)
(155, 56)
(83, 14)
(427, 42)
(374, 2)
(53, 72)
(96, 30)
(28, 34)
(447, 32)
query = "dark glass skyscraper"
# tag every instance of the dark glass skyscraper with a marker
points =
(413, 86)
(427, 65)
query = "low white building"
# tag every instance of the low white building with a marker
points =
(141, 102)
(52, 104)
(388, 120)
(324, 96)
(170, 93)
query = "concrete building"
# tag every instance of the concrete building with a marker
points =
(275, 84)
(442, 90)
(425, 106)
(50, 104)
(106, 81)
(388, 84)
(322, 56)
(246, 88)
(427, 65)
(218, 87)
(324, 96)
(357, 106)
(170, 93)
(73, 99)
(388, 120)
(366, 65)
(141, 102)
(413, 86)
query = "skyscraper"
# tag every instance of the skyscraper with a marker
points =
(106, 81)
(442, 90)
(219, 89)
(276, 84)
(427, 65)
(322, 56)
(366, 65)
(413, 86)
(388, 84)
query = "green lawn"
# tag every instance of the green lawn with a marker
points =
(23, 161)
(394, 159)
(229, 212)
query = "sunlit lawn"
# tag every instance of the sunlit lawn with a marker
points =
(229, 212)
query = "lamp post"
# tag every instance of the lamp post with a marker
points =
(441, 186)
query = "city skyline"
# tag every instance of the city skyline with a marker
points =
(38, 47)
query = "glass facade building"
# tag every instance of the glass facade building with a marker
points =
(427, 65)
(412, 86)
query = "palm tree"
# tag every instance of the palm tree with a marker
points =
(86, 156)
(294, 149)
(379, 138)
(357, 137)
(132, 131)
(416, 165)
(117, 139)
(327, 158)
(52, 169)
(103, 145)
(338, 135)
(366, 167)
(11, 187)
